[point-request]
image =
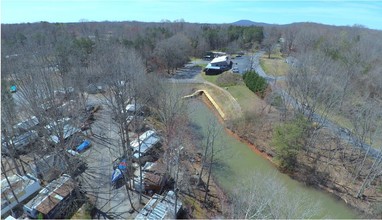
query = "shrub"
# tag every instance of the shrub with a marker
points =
(288, 140)
(255, 83)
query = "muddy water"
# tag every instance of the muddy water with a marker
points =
(238, 161)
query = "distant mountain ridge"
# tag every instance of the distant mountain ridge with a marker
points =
(249, 23)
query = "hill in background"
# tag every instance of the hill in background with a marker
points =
(249, 23)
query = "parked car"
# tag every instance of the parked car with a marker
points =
(235, 69)
(82, 147)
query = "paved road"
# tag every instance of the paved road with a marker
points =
(343, 133)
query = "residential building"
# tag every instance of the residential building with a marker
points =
(53, 201)
(218, 65)
(23, 187)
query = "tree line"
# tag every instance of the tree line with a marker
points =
(335, 76)
(165, 45)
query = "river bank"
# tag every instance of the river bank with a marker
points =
(239, 163)
(308, 172)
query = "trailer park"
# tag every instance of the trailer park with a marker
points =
(90, 173)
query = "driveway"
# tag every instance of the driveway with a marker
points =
(96, 180)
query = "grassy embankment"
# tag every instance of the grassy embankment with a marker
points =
(247, 100)
(254, 111)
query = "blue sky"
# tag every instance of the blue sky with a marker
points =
(336, 12)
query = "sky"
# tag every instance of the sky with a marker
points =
(334, 12)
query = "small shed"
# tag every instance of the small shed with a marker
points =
(153, 177)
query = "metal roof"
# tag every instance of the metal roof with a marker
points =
(19, 185)
(220, 59)
(146, 145)
(28, 124)
(69, 130)
(142, 137)
(24, 139)
(160, 207)
(52, 194)
(209, 66)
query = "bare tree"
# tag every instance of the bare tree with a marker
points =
(209, 156)
(123, 70)
(366, 130)
(4, 172)
(310, 82)
(8, 132)
(170, 110)
(289, 34)
(173, 51)
(271, 38)
(261, 196)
